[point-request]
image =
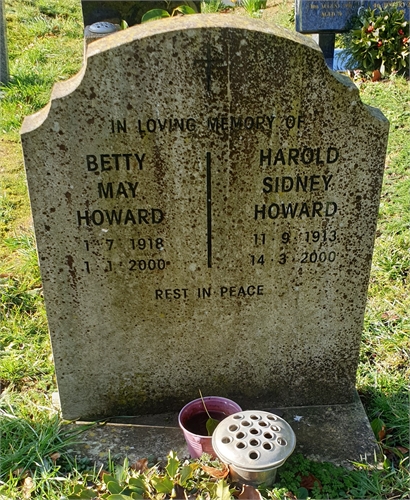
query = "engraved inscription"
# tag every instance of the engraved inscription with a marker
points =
(146, 253)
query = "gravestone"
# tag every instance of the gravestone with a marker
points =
(325, 18)
(4, 58)
(205, 196)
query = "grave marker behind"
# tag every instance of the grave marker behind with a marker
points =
(324, 16)
(205, 197)
(4, 57)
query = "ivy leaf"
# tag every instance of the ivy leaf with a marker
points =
(211, 425)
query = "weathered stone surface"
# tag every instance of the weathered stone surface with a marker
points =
(340, 434)
(205, 195)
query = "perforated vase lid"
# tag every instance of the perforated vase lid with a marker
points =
(253, 440)
(102, 28)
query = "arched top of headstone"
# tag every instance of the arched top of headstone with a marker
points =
(210, 47)
(200, 22)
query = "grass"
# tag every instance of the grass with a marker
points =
(45, 45)
(212, 6)
(384, 370)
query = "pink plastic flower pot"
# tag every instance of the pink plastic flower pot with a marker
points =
(192, 420)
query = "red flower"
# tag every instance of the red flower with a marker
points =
(405, 40)
(401, 32)
(370, 29)
(379, 43)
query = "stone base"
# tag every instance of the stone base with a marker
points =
(340, 434)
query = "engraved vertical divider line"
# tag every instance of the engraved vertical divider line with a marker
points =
(209, 207)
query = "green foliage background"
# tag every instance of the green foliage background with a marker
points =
(380, 40)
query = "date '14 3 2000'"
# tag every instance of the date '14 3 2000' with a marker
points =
(306, 258)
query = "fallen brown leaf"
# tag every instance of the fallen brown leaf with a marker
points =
(290, 495)
(101, 474)
(216, 473)
(309, 481)
(390, 316)
(19, 472)
(382, 433)
(402, 449)
(249, 493)
(55, 456)
(28, 487)
(140, 465)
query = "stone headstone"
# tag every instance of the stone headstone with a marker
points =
(327, 16)
(4, 58)
(205, 195)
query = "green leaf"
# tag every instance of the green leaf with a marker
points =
(173, 464)
(184, 9)
(154, 14)
(119, 497)
(124, 24)
(82, 493)
(302, 493)
(114, 487)
(187, 472)
(162, 484)
(88, 494)
(377, 425)
(222, 490)
(107, 478)
(136, 495)
(137, 482)
(211, 425)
